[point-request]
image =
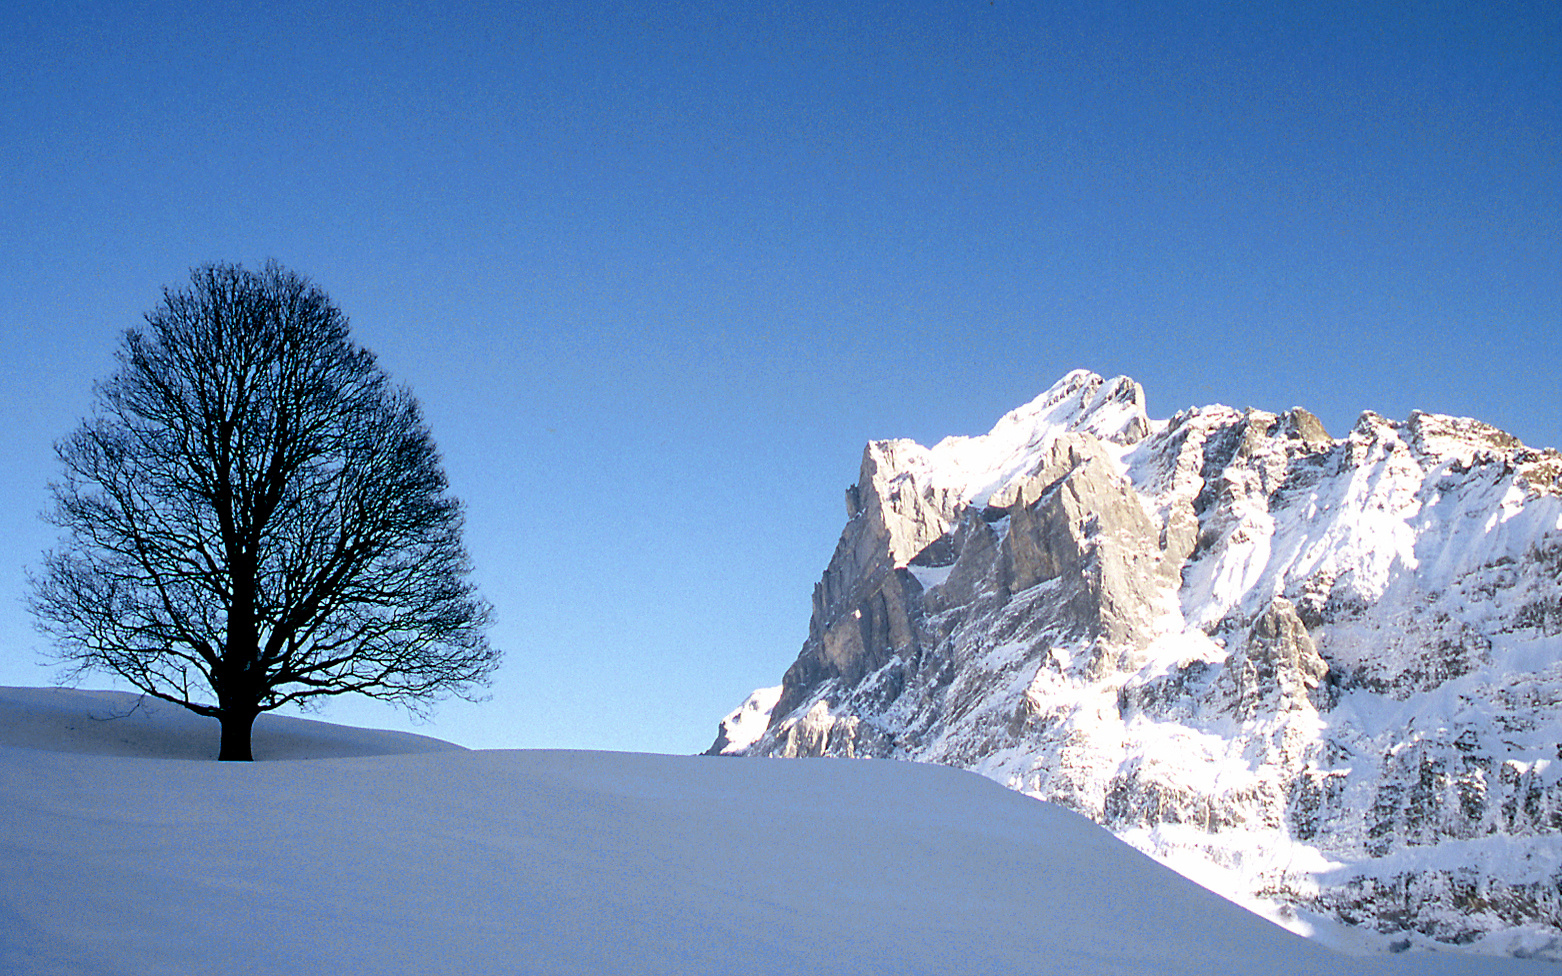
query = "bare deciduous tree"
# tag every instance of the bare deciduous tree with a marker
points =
(254, 515)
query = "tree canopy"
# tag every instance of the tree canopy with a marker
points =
(255, 515)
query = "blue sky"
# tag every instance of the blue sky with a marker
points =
(658, 271)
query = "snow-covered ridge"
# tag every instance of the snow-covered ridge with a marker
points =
(561, 863)
(973, 469)
(745, 724)
(118, 723)
(1310, 670)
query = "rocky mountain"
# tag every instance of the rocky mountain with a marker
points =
(1319, 674)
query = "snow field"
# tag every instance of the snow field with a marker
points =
(452, 861)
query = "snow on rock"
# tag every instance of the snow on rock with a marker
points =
(1320, 674)
(487, 862)
(746, 723)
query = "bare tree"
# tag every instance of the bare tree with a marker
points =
(254, 515)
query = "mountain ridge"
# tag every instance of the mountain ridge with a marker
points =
(1319, 673)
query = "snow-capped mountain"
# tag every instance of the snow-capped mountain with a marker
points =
(1318, 673)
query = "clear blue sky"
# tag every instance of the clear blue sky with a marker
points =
(658, 271)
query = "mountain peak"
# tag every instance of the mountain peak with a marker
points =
(1322, 672)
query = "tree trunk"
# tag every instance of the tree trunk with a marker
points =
(236, 726)
(232, 679)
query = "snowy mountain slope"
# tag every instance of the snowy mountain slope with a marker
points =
(117, 723)
(1310, 672)
(745, 724)
(452, 861)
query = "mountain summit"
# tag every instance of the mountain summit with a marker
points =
(1322, 674)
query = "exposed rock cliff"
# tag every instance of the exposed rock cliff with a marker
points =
(1322, 672)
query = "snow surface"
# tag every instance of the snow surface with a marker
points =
(117, 723)
(119, 854)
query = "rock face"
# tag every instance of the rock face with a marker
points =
(1320, 673)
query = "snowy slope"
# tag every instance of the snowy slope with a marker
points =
(123, 861)
(1313, 672)
(117, 723)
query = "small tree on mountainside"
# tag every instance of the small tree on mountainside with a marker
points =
(254, 515)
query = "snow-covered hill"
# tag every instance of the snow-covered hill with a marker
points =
(1311, 672)
(117, 723)
(115, 859)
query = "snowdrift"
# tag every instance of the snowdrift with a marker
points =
(121, 853)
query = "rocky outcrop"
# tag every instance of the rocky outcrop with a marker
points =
(1277, 670)
(1322, 672)
(746, 723)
